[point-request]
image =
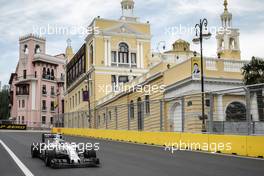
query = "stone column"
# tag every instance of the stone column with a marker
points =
(220, 108)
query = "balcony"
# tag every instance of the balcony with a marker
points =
(22, 89)
(48, 77)
(25, 78)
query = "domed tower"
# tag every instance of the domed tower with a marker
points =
(69, 52)
(128, 10)
(228, 46)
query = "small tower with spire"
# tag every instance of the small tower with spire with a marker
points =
(226, 17)
(69, 51)
(128, 10)
(228, 46)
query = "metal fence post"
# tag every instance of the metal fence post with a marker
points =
(211, 113)
(161, 115)
(248, 110)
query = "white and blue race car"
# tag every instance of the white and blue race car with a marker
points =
(57, 153)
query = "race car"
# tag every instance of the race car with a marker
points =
(56, 153)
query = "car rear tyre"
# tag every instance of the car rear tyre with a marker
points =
(90, 154)
(49, 155)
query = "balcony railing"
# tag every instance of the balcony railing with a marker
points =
(44, 108)
(48, 77)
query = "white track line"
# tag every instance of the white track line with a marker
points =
(24, 169)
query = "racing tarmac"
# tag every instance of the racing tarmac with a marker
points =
(124, 159)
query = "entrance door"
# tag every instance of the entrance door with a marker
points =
(176, 117)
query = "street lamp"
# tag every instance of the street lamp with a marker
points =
(89, 101)
(202, 33)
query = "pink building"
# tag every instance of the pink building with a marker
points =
(37, 86)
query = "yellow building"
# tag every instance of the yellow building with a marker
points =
(131, 88)
(116, 52)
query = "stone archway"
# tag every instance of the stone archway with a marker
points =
(175, 115)
(235, 112)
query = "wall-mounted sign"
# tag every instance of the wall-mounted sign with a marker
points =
(13, 127)
(85, 95)
(196, 69)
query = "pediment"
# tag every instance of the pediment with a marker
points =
(122, 29)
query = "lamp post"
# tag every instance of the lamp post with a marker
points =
(89, 101)
(202, 33)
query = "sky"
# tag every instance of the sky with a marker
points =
(170, 20)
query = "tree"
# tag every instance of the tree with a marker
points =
(4, 103)
(253, 73)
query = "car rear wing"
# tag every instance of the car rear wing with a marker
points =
(50, 136)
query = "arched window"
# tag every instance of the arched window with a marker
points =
(52, 74)
(132, 115)
(25, 49)
(235, 112)
(232, 43)
(48, 74)
(123, 53)
(37, 49)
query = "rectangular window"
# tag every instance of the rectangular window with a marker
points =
(19, 103)
(52, 106)
(44, 90)
(44, 107)
(133, 58)
(110, 115)
(80, 67)
(123, 79)
(25, 74)
(147, 104)
(76, 99)
(23, 103)
(83, 64)
(52, 91)
(23, 119)
(113, 56)
(132, 115)
(91, 54)
(79, 97)
(51, 120)
(43, 120)
(72, 101)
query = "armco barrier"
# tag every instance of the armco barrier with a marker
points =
(229, 144)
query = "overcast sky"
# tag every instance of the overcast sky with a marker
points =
(20, 17)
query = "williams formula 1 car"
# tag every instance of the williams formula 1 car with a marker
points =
(56, 153)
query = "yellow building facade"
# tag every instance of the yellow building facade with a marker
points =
(131, 88)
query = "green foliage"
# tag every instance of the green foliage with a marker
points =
(4, 102)
(253, 72)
